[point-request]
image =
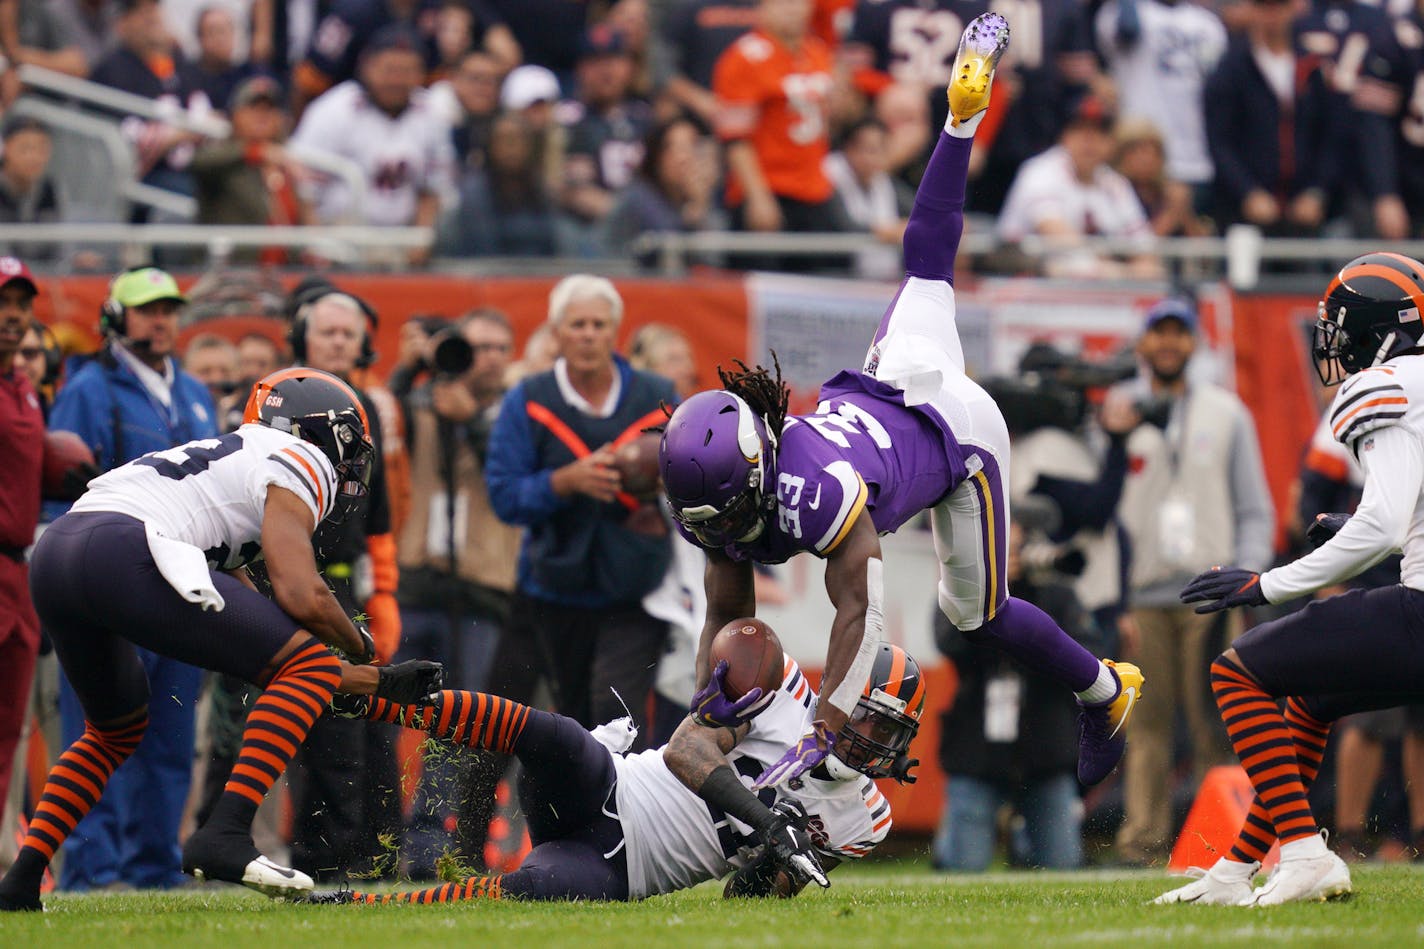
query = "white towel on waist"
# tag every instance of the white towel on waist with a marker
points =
(185, 567)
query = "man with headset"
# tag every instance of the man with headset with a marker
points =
(131, 399)
(345, 780)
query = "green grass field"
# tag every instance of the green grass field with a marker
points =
(876, 905)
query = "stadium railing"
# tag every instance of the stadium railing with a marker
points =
(45, 84)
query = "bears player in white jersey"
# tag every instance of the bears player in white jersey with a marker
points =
(612, 827)
(1359, 650)
(153, 556)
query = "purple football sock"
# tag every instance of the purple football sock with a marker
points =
(937, 219)
(1035, 641)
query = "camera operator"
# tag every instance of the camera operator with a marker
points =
(1062, 460)
(1195, 496)
(457, 559)
(1009, 736)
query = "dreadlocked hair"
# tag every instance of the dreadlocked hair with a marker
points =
(762, 389)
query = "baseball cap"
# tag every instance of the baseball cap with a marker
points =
(394, 36)
(255, 89)
(138, 287)
(526, 85)
(1172, 308)
(13, 269)
(602, 40)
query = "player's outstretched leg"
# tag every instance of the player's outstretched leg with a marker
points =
(1263, 740)
(74, 785)
(222, 849)
(922, 312)
(1228, 881)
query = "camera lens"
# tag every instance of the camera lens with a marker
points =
(453, 355)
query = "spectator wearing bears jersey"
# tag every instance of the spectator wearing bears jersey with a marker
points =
(387, 124)
(130, 400)
(773, 86)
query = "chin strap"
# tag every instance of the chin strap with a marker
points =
(1386, 347)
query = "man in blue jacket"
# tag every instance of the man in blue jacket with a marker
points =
(129, 400)
(591, 551)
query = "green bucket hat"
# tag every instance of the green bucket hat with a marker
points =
(137, 287)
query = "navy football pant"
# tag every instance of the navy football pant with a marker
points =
(121, 633)
(568, 791)
(1360, 650)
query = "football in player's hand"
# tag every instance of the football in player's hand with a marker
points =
(68, 466)
(637, 464)
(753, 654)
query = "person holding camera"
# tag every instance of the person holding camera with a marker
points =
(131, 399)
(1009, 735)
(1074, 467)
(1195, 496)
(457, 558)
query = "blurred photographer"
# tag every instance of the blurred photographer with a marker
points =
(1195, 496)
(1009, 736)
(1062, 459)
(457, 559)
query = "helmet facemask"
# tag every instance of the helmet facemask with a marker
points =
(340, 437)
(875, 739)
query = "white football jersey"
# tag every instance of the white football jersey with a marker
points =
(675, 839)
(212, 492)
(402, 156)
(1378, 415)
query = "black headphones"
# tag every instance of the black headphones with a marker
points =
(112, 312)
(297, 333)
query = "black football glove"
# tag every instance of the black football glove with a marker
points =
(1323, 529)
(1221, 588)
(409, 682)
(790, 847)
(76, 481)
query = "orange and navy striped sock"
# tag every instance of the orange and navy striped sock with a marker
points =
(74, 785)
(1262, 740)
(475, 719)
(1308, 734)
(474, 888)
(278, 723)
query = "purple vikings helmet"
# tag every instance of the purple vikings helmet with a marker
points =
(715, 459)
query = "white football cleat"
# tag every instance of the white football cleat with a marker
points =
(1305, 879)
(224, 856)
(1227, 883)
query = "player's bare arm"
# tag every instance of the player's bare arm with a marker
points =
(731, 592)
(855, 632)
(296, 585)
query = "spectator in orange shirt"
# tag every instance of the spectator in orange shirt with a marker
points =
(773, 87)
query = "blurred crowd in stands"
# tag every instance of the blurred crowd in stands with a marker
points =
(571, 127)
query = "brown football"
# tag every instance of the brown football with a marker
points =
(63, 451)
(637, 464)
(753, 654)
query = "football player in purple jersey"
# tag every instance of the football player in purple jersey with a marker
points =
(906, 433)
